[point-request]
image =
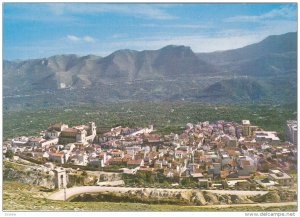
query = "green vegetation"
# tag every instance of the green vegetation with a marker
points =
(17, 196)
(125, 198)
(9, 154)
(189, 182)
(142, 178)
(14, 166)
(166, 116)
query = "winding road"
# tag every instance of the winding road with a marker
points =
(59, 195)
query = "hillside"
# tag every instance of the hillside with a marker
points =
(24, 197)
(170, 73)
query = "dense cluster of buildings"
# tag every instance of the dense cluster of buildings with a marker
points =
(241, 154)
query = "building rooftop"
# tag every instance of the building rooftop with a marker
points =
(60, 154)
(279, 175)
(245, 122)
(36, 139)
(267, 135)
(70, 130)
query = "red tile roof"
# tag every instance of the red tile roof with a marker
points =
(57, 154)
(233, 163)
(134, 162)
(70, 130)
(117, 160)
(224, 173)
(199, 171)
(36, 139)
(116, 151)
(244, 177)
(245, 163)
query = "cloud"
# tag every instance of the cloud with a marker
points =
(86, 38)
(283, 13)
(209, 41)
(73, 38)
(223, 40)
(138, 10)
(72, 12)
(49, 13)
(197, 43)
(179, 26)
(215, 36)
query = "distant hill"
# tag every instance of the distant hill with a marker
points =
(239, 89)
(250, 74)
(275, 44)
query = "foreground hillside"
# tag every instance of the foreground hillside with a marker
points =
(268, 68)
(22, 197)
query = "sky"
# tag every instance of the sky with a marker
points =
(37, 30)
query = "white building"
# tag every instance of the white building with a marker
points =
(143, 131)
(267, 136)
(246, 128)
(20, 141)
(54, 130)
(281, 178)
(79, 134)
(57, 157)
(291, 131)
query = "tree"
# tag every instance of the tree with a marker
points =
(9, 154)
(84, 173)
(186, 181)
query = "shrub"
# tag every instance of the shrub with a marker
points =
(9, 154)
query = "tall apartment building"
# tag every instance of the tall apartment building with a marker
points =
(291, 131)
(246, 128)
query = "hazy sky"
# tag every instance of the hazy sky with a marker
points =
(41, 30)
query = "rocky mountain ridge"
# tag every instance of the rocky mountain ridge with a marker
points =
(170, 73)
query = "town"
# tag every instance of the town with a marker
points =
(219, 155)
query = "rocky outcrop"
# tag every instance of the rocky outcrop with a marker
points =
(271, 197)
(211, 198)
(105, 176)
(188, 197)
(198, 199)
(30, 177)
(287, 196)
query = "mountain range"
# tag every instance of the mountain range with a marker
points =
(261, 72)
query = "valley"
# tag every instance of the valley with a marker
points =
(167, 117)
